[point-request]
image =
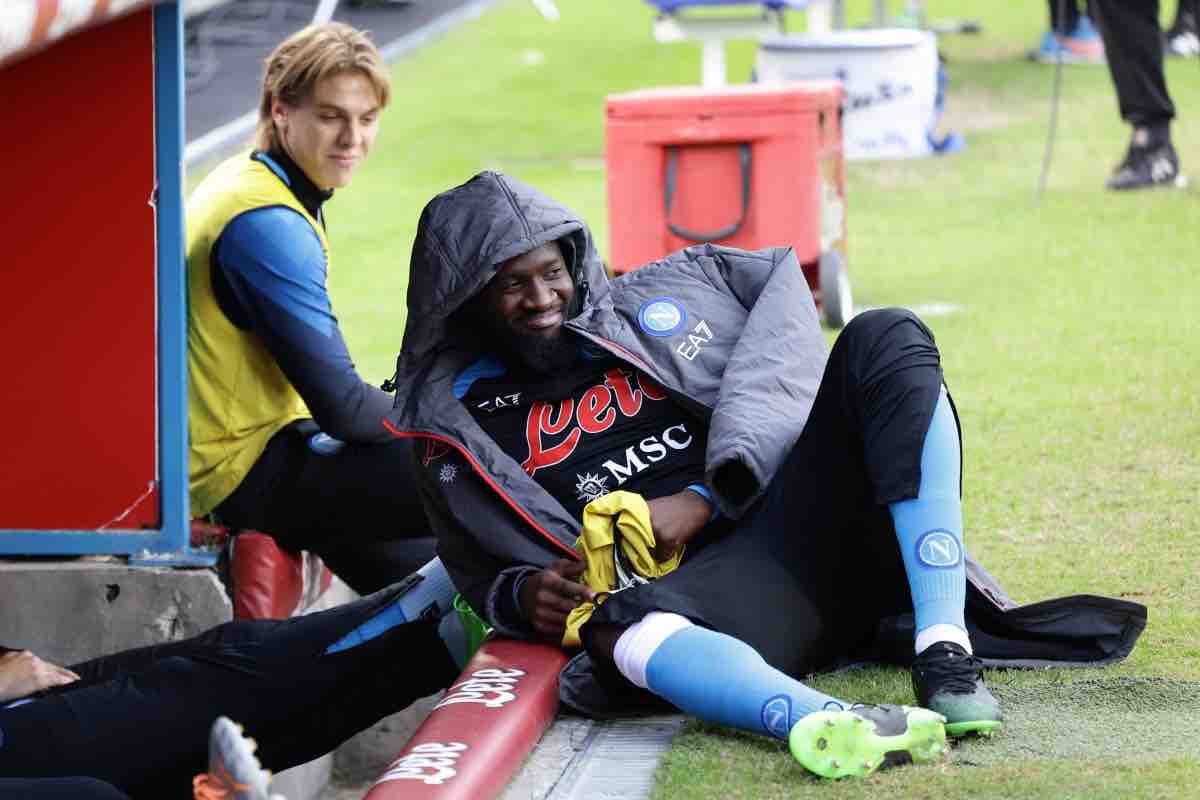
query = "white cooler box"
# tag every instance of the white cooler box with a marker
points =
(890, 76)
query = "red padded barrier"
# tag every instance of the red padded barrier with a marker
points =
(271, 583)
(475, 739)
(205, 534)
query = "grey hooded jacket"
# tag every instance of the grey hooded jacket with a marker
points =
(747, 356)
(749, 363)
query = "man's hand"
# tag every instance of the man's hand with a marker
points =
(675, 519)
(549, 595)
(22, 673)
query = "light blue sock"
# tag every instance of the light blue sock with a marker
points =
(929, 528)
(723, 680)
(428, 594)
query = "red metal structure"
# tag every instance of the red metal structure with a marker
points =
(746, 166)
(90, 224)
(94, 333)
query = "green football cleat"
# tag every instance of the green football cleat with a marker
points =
(947, 679)
(860, 740)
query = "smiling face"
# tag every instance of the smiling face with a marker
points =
(525, 305)
(330, 132)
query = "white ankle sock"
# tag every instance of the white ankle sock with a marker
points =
(942, 632)
(640, 641)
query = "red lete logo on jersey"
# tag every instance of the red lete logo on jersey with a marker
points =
(593, 413)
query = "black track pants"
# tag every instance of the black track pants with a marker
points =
(355, 506)
(805, 576)
(139, 720)
(1133, 45)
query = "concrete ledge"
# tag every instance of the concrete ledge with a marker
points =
(304, 782)
(70, 611)
(581, 759)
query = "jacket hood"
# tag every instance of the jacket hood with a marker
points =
(464, 235)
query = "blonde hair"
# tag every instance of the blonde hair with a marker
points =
(308, 56)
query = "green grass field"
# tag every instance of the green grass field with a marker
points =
(1073, 355)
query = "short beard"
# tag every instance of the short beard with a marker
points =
(542, 354)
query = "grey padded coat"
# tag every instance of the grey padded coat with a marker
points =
(750, 364)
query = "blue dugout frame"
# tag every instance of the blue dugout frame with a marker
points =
(168, 545)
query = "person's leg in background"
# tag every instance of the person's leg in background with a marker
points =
(140, 720)
(1133, 42)
(355, 505)
(1071, 37)
(1064, 16)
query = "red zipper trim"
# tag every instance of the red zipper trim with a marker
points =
(486, 479)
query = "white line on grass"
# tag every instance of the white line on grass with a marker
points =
(221, 137)
(925, 309)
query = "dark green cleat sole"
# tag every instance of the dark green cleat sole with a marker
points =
(980, 727)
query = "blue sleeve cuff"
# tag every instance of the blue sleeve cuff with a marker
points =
(702, 490)
(517, 583)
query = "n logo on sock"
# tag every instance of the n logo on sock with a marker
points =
(777, 716)
(938, 548)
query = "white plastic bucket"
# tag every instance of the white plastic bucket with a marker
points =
(890, 76)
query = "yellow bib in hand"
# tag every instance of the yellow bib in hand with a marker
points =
(617, 517)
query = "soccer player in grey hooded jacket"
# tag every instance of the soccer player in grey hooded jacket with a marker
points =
(817, 495)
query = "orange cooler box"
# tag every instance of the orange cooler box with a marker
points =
(748, 166)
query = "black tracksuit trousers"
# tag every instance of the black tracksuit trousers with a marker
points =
(1133, 45)
(357, 507)
(140, 720)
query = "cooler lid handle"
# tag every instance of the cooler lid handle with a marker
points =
(669, 196)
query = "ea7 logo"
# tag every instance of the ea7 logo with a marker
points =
(431, 763)
(938, 548)
(700, 336)
(501, 401)
(493, 688)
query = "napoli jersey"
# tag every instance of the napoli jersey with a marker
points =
(589, 430)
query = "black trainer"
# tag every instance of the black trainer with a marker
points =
(947, 679)
(1145, 166)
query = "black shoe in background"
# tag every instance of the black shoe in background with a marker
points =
(1147, 166)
